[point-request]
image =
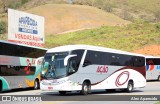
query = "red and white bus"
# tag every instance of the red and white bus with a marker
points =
(152, 68)
(84, 68)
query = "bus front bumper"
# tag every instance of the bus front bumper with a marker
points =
(66, 86)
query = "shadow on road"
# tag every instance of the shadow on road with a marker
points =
(94, 96)
(17, 90)
(153, 81)
(92, 93)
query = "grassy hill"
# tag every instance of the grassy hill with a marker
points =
(98, 27)
(61, 18)
(64, 17)
(129, 38)
(128, 9)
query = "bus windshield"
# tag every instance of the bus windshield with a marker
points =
(55, 63)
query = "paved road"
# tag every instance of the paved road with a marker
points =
(152, 88)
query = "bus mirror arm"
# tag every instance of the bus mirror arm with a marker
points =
(67, 58)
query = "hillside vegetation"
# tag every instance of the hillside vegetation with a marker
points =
(64, 17)
(130, 25)
(148, 10)
(127, 9)
(129, 38)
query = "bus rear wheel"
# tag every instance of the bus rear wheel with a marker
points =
(62, 92)
(86, 88)
(130, 86)
(36, 84)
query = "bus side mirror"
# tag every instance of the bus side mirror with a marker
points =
(67, 58)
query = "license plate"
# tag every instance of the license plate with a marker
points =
(50, 88)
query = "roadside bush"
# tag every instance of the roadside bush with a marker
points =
(2, 27)
(14, 5)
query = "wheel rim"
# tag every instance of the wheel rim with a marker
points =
(85, 88)
(130, 87)
(35, 84)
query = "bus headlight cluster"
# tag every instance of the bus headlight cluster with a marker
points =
(53, 83)
(63, 81)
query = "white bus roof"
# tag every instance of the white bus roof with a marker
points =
(152, 56)
(89, 47)
(2, 41)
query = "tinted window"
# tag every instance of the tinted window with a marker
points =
(114, 59)
(6, 70)
(105, 58)
(95, 57)
(21, 51)
(152, 61)
(120, 59)
(74, 62)
(138, 61)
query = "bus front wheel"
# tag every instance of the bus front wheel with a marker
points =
(85, 88)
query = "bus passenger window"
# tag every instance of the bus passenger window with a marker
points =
(138, 61)
(86, 63)
(73, 65)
